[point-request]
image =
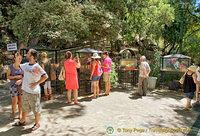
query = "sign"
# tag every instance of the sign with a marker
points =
(12, 47)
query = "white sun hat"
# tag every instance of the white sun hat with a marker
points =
(96, 56)
(192, 68)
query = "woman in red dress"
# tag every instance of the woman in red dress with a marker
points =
(71, 77)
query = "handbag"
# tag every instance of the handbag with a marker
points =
(181, 81)
(62, 74)
(52, 74)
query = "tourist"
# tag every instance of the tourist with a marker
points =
(144, 70)
(189, 85)
(33, 76)
(96, 73)
(197, 86)
(15, 75)
(107, 71)
(71, 77)
(46, 65)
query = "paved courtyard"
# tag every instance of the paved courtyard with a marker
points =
(122, 113)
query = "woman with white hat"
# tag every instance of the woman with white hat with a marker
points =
(96, 73)
(189, 85)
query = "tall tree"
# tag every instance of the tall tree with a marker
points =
(146, 20)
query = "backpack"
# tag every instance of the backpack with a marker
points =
(100, 71)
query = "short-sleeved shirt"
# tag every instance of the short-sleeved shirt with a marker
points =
(14, 72)
(32, 74)
(108, 61)
(146, 66)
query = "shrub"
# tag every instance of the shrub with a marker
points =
(114, 74)
(156, 66)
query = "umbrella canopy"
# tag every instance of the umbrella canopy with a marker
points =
(181, 56)
(88, 50)
(133, 52)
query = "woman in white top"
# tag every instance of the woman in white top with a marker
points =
(198, 79)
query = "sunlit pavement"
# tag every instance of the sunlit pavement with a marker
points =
(121, 113)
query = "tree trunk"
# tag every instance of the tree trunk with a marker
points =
(22, 45)
(34, 41)
(92, 41)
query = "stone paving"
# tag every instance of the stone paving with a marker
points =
(160, 113)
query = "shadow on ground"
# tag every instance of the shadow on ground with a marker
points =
(135, 96)
(196, 126)
(13, 130)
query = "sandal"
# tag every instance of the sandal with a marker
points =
(69, 102)
(93, 97)
(11, 118)
(19, 123)
(50, 96)
(35, 127)
(77, 103)
(46, 97)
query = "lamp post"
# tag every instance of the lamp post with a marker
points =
(181, 29)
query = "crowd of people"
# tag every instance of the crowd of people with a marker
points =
(25, 79)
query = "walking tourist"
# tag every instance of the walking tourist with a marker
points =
(197, 87)
(15, 75)
(71, 77)
(33, 76)
(96, 72)
(143, 75)
(189, 85)
(107, 71)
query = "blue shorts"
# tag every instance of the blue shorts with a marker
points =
(95, 78)
(190, 95)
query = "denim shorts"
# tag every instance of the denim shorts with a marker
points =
(190, 95)
(95, 78)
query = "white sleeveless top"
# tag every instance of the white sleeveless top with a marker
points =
(198, 75)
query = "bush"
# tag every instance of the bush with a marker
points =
(156, 66)
(114, 74)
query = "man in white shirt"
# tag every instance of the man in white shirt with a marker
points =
(143, 75)
(33, 76)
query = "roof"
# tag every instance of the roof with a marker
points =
(132, 51)
(41, 48)
(181, 56)
(88, 50)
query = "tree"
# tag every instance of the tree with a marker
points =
(54, 21)
(146, 21)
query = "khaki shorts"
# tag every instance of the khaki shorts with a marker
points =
(31, 102)
(106, 76)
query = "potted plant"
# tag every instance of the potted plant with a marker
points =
(130, 67)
